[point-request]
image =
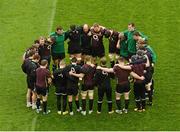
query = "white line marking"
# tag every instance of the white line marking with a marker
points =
(53, 13)
(34, 120)
(33, 125)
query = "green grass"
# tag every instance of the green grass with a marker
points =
(23, 21)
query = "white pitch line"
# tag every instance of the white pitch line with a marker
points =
(33, 125)
(53, 13)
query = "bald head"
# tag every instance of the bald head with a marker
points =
(85, 28)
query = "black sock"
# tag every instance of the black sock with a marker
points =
(99, 105)
(126, 103)
(70, 106)
(112, 64)
(150, 96)
(152, 87)
(59, 102)
(138, 104)
(83, 104)
(38, 103)
(110, 106)
(45, 106)
(118, 103)
(77, 104)
(143, 103)
(54, 67)
(91, 104)
(64, 102)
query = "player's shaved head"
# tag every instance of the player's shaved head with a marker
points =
(85, 28)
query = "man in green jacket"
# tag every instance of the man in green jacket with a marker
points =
(130, 41)
(57, 49)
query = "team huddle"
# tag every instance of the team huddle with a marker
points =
(131, 59)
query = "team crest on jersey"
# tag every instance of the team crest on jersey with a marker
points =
(104, 73)
(73, 70)
(95, 37)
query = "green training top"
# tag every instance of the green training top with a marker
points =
(123, 48)
(131, 42)
(58, 46)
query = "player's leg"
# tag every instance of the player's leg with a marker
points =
(142, 95)
(126, 97)
(109, 99)
(76, 95)
(118, 103)
(70, 98)
(34, 98)
(126, 102)
(28, 98)
(28, 94)
(55, 61)
(64, 104)
(137, 97)
(44, 99)
(148, 89)
(58, 97)
(118, 94)
(77, 103)
(91, 100)
(60, 57)
(83, 97)
(100, 99)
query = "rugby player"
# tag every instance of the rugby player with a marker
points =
(130, 41)
(102, 80)
(72, 84)
(114, 39)
(44, 50)
(57, 49)
(25, 67)
(60, 82)
(86, 41)
(43, 79)
(74, 43)
(97, 32)
(88, 71)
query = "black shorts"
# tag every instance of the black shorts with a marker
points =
(123, 88)
(113, 49)
(102, 90)
(30, 83)
(148, 75)
(86, 51)
(56, 56)
(139, 90)
(86, 88)
(98, 53)
(41, 91)
(61, 90)
(72, 91)
(74, 49)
